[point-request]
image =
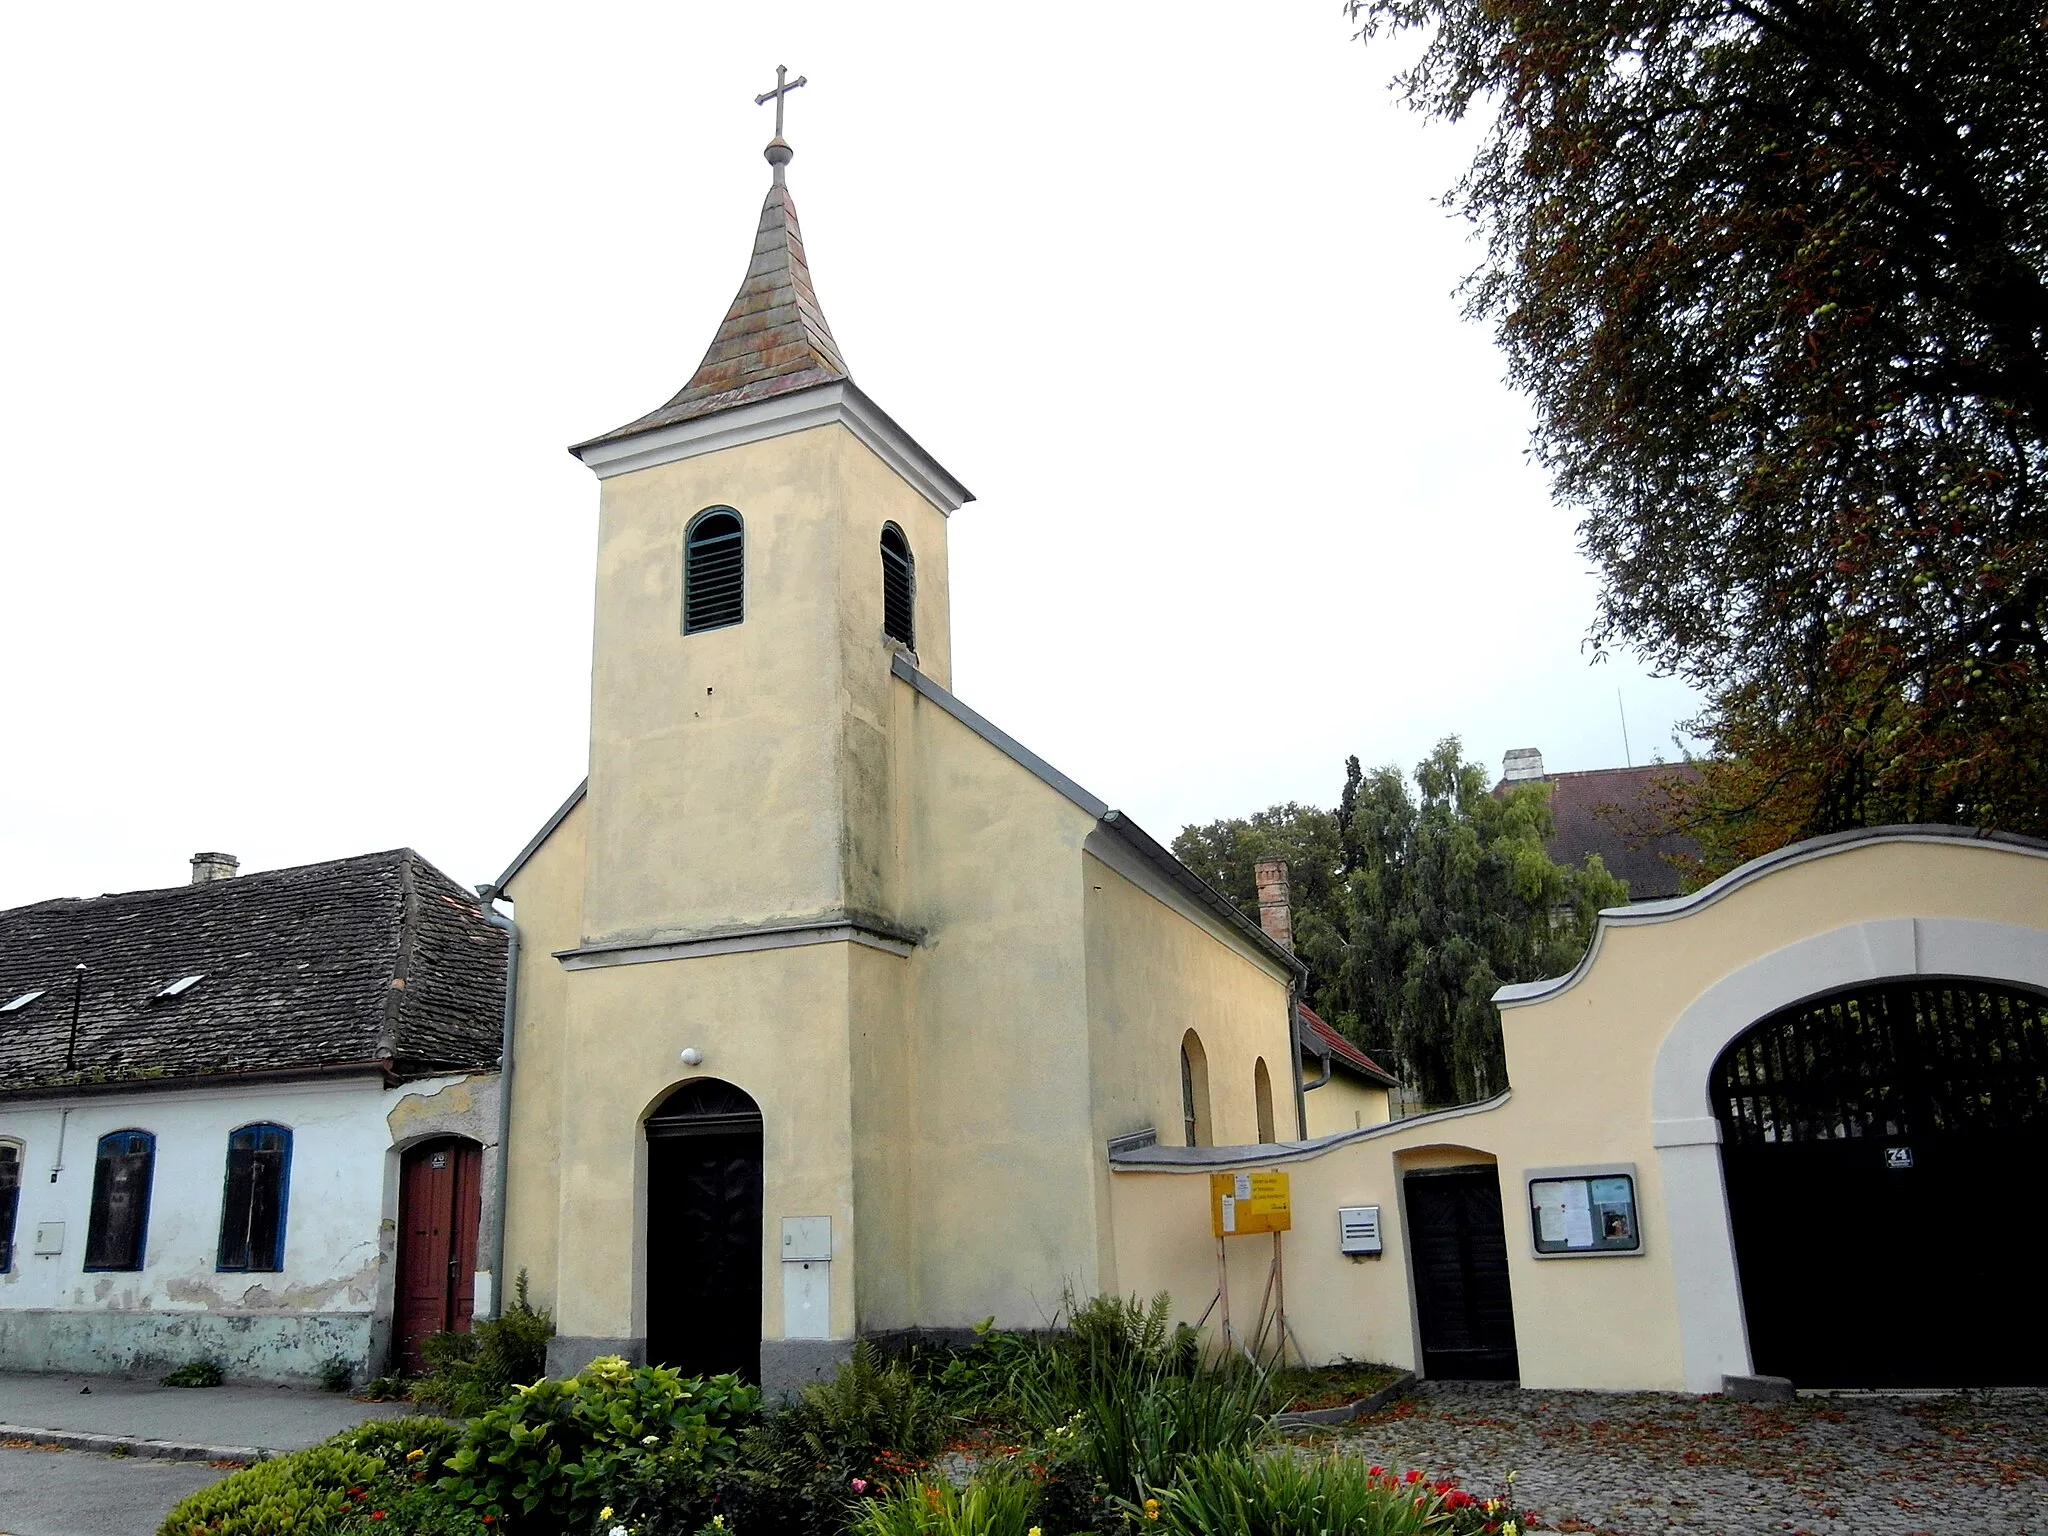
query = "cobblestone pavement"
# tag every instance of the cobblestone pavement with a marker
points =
(1645, 1464)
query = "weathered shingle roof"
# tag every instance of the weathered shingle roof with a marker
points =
(774, 339)
(375, 962)
(1320, 1038)
(1612, 812)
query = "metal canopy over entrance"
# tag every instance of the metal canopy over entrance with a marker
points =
(704, 1231)
(1885, 1150)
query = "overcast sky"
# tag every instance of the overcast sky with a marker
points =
(301, 305)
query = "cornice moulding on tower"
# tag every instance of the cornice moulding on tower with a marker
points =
(841, 402)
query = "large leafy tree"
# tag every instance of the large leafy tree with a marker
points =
(1772, 273)
(1411, 906)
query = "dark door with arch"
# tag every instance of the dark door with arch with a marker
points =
(440, 1203)
(704, 1231)
(1885, 1150)
(1458, 1247)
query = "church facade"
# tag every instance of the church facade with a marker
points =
(832, 996)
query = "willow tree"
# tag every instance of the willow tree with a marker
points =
(1412, 906)
(1772, 273)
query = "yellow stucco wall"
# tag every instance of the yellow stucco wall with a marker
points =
(1343, 1104)
(547, 903)
(735, 774)
(1581, 1062)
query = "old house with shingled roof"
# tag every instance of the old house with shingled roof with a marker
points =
(221, 1107)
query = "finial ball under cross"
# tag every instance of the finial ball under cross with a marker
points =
(783, 86)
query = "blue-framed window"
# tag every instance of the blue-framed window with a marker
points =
(714, 570)
(118, 1228)
(11, 1159)
(253, 1198)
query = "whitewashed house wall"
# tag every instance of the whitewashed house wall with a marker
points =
(335, 1294)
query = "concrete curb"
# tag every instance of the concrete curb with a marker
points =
(133, 1445)
(1344, 1413)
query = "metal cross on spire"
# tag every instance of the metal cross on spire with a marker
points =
(781, 90)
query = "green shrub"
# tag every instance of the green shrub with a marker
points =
(198, 1373)
(471, 1372)
(337, 1373)
(806, 1469)
(1122, 1390)
(393, 1442)
(548, 1457)
(1284, 1493)
(997, 1502)
(291, 1495)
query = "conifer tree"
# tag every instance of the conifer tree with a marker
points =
(1412, 906)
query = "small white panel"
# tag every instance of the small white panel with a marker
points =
(806, 1237)
(49, 1237)
(806, 1300)
(1358, 1229)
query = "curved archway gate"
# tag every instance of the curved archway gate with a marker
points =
(704, 1231)
(1885, 1149)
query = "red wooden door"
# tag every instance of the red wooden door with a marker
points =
(440, 1202)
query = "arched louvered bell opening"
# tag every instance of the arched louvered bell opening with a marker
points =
(898, 571)
(714, 571)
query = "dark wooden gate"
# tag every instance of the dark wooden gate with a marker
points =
(440, 1203)
(1458, 1246)
(1885, 1150)
(704, 1231)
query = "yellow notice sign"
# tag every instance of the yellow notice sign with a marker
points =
(1242, 1203)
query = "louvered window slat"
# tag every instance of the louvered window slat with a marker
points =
(899, 618)
(714, 571)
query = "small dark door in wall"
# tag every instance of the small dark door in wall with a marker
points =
(440, 1203)
(704, 1231)
(1885, 1149)
(1458, 1247)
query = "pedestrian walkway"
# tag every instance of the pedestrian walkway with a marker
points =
(230, 1417)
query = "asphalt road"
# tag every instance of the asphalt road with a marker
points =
(76, 1493)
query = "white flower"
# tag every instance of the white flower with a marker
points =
(618, 1530)
(651, 1440)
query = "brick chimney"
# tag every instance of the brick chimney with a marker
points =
(209, 867)
(1276, 914)
(1522, 763)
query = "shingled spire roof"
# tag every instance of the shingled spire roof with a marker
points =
(774, 339)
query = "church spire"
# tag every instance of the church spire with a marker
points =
(774, 339)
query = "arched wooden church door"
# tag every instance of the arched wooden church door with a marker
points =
(704, 1231)
(1885, 1150)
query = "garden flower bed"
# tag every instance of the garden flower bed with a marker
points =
(1110, 1425)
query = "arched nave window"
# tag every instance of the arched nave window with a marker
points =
(1194, 1092)
(1262, 1100)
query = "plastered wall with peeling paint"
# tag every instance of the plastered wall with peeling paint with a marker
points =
(333, 1295)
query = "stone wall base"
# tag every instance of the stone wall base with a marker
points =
(248, 1346)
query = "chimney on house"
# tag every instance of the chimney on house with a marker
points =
(209, 867)
(1522, 763)
(1276, 914)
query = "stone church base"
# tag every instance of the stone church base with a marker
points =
(282, 1347)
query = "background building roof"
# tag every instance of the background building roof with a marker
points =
(379, 962)
(1323, 1039)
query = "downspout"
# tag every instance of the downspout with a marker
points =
(1303, 1090)
(488, 894)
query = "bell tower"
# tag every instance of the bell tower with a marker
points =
(768, 540)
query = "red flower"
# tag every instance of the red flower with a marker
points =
(1457, 1498)
(1374, 1471)
(376, 1514)
(1411, 1476)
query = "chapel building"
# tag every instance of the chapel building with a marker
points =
(831, 995)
